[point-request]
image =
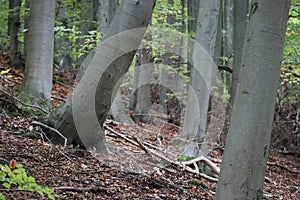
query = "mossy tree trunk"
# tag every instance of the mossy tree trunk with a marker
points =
(37, 83)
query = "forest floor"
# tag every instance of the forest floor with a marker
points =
(133, 170)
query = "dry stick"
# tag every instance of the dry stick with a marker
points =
(25, 104)
(11, 80)
(58, 98)
(121, 136)
(51, 129)
(59, 151)
(211, 165)
(142, 146)
(163, 157)
(283, 167)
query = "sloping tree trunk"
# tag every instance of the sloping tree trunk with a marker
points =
(37, 84)
(246, 152)
(13, 30)
(82, 117)
(195, 119)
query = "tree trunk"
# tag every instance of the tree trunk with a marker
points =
(246, 152)
(193, 8)
(37, 82)
(195, 119)
(228, 52)
(239, 29)
(143, 98)
(13, 30)
(107, 10)
(82, 117)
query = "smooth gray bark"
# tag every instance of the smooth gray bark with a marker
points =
(107, 10)
(193, 8)
(240, 23)
(136, 75)
(39, 51)
(244, 162)
(82, 117)
(229, 22)
(143, 98)
(195, 119)
(13, 30)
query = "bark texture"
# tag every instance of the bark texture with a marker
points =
(39, 51)
(246, 151)
(82, 117)
(13, 30)
(239, 28)
(203, 77)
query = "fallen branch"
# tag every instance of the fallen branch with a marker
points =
(51, 129)
(153, 152)
(25, 104)
(186, 168)
(210, 164)
(283, 167)
(59, 151)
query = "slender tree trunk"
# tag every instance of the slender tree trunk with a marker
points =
(193, 11)
(239, 29)
(246, 152)
(37, 84)
(228, 52)
(82, 117)
(143, 98)
(13, 26)
(195, 119)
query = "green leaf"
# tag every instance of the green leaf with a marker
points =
(2, 197)
(6, 185)
(3, 72)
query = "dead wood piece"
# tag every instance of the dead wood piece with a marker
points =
(51, 129)
(210, 164)
(153, 152)
(283, 167)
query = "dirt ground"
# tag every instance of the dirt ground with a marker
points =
(130, 172)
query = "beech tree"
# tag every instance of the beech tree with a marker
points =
(97, 84)
(195, 119)
(37, 83)
(244, 162)
(13, 30)
(240, 11)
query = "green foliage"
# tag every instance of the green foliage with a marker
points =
(69, 36)
(4, 42)
(15, 176)
(290, 73)
(2, 197)
(185, 158)
(197, 183)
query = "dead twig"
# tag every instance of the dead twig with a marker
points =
(59, 151)
(25, 104)
(210, 164)
(283, 167)
(153, 152)
(51, 129)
